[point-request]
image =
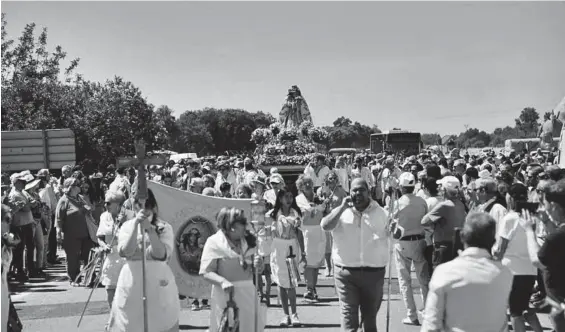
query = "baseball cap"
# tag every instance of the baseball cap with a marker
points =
(43, 173)
(449, 182)
(407, 179)
(459, 162)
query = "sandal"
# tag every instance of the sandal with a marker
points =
(75, 284)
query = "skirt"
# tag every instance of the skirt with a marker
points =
(246, 300)
(314, 245)
(279, 253)
(163, 307)
(111, 269)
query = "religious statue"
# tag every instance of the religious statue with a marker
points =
(295, 109)
(549, 129)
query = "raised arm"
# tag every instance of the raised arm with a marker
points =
(329, 222)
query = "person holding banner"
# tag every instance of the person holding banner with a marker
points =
(228, 261)
(127, 314)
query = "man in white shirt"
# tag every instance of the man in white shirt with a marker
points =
(317, 171)
(360, 254)
(489, 199)
(121, 182)
(470, 293)
(277, 183)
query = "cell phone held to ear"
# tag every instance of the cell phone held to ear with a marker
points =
(528, 206)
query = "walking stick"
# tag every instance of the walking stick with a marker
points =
(390, 210)
(144, 279)
(256, 304)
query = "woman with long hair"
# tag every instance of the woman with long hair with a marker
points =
(108, 240)
(72, 228)
(286, 219)
(228, 260)
(512, 244)
(163, 306)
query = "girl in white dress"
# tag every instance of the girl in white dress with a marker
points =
(163, 310)
(286, 219)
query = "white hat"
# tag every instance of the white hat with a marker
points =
(484, 174)
(449, 182)
(276, 178)
(407, 179)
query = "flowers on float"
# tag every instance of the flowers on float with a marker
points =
(318, 135)
(305, 127)
(261, 136)
(288, 135)
(285, 160)
(275, 128)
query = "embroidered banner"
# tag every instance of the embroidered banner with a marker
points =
(193, 218)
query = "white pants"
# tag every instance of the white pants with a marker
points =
(40, 242)
(406, 253)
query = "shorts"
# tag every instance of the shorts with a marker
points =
(522, 288)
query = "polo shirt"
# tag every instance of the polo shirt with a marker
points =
(410, 209)
(360, 238)
(445, 217)
(469, 293)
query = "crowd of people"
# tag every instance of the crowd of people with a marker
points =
(484, 235)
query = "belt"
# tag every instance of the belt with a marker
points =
(416, 237)
(361, 268)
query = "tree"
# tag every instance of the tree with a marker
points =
(527, 123)
(342, 122)
(167, 130)
(431, 139)
(32, 95)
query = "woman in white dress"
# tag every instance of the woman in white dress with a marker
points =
(312, 209)
(108, 240)
(286, 219)
(227, 263)
(163, 307)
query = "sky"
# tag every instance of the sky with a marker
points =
(431, 67)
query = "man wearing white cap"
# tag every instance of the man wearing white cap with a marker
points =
(317, 171)
(277, 182)
(445, 217)
(409, 249)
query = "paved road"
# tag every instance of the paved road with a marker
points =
(52, 305)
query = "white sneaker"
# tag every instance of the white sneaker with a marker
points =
(295, 320)
(285, 321)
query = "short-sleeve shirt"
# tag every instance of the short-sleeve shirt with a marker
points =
(516, 257)
(552, 256)
(447, 216)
